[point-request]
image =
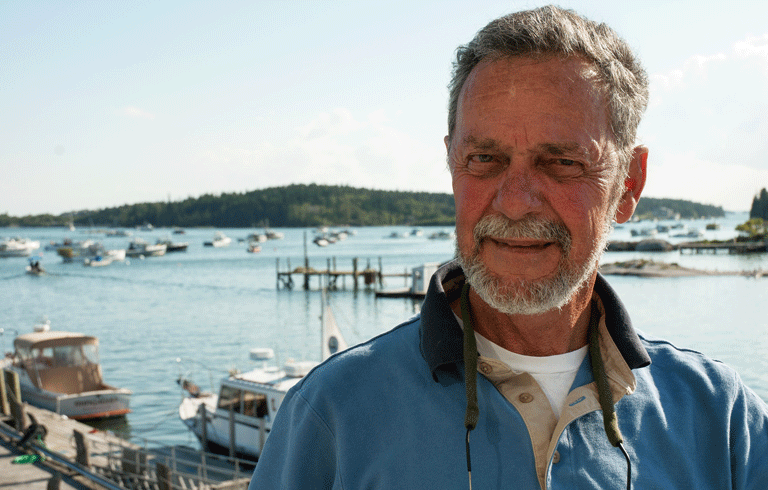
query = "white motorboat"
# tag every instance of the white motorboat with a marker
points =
(60, 371)
(89, 252)
(251, 399)
(18, 247)
(219, 240)
(141, 248)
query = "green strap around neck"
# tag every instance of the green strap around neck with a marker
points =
(470, 362)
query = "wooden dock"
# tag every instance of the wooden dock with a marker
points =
(728, 247)
(332, 277)
(68, 452)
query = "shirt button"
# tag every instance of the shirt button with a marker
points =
(556, 457)
(485, 368)
(525, 397)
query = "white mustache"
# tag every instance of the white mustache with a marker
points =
(496, 226)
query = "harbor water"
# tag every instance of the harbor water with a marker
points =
(199, 312)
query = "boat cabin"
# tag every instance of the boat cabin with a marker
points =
(245, 402)
(60, 362)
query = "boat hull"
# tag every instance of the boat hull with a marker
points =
(91, 405)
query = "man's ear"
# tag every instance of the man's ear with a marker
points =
(633, 185)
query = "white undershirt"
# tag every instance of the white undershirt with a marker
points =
(554, 374)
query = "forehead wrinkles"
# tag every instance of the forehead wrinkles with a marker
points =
(571, 81)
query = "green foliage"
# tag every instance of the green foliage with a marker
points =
(291, 206)
(649, 207)
(754, 228)
(302, 206)
(760, 205)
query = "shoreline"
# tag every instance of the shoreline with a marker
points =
(650, 268)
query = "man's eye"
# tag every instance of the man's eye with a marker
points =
(484, 164)
(564, 167)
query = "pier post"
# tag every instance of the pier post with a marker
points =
(13, 392)
(381, 274)
(306, 263)
(163, 476)
(203, 427)
(82, 456)
(354, 271)
(5, 406)
(55, 482)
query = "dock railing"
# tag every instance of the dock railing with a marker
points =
(113, 463)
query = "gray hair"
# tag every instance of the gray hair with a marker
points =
(552, 31)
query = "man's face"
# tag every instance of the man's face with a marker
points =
(533, 162)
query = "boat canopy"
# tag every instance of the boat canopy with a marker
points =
(42, 340)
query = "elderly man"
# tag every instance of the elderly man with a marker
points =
(541, 146)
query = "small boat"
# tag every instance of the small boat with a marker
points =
(98, 261)
(60, 371)
(253, 248)
(257, 237)
(691, 233)
(645, 232)
(89, 251)
(141, 248)
(35, 268)
(441, 235)
(18, 247)
(251, 399)
(219, 240)
(171, 246)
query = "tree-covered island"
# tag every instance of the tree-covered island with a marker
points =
(310, 205)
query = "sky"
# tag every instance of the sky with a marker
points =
(110, 103)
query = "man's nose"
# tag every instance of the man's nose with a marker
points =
(519, 193)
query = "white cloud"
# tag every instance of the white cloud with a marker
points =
(697, 68)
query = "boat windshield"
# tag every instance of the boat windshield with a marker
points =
(60, 356)
(243, 401)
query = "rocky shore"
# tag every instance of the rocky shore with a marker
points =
(650, 268)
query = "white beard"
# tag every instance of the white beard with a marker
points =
(523, 297)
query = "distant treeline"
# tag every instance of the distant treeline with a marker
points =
(760, 205)
(658, 208)
(290, 206)
(302, 206)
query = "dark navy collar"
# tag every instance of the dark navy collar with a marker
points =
(441, 335)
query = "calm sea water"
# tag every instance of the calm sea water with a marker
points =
(199, 312)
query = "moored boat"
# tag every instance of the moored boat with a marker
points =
(141, 248)
(219, 240)
(60, 371)
(240, 417)
(18, 247)
(171, 246)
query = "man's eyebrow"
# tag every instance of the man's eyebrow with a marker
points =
(481, 144)
(559, 149)
(556, 149)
